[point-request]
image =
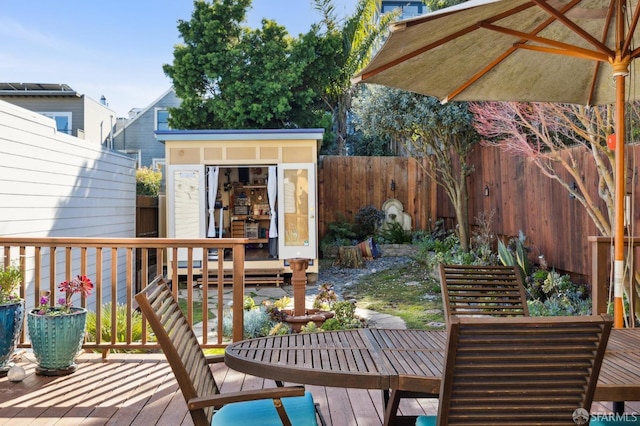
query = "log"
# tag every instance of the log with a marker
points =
(350, 257)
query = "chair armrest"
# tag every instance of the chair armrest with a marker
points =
(226, 398)
(213, 359)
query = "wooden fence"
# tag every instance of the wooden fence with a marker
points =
(520, 197)
(345, 184)
(147, 211)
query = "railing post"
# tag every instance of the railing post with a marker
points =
(600, 255)
(238, 292)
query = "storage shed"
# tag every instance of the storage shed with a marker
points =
(255, 184)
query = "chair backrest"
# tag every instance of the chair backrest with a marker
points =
(179, 344)
(521, 371)
(482, 291)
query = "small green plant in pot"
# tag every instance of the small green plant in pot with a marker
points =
(57, 331)
(11, 315)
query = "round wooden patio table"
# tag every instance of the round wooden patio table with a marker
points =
(399, 360)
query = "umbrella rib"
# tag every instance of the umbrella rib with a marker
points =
(560, 47)
(575, 28)
(439, 42)
(632, 29)
(504, 55)
(564, 52)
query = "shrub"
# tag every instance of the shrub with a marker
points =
(148, 181)
(311, 327)
(367, 220)
(341, 233)
(280, 329)
(257, 323)
(394, 233)
(326, 297)
(344, 315)
(121, 326)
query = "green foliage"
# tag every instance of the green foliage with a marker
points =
(553, 294)
(249, 303)
(10, 278)
(369, 145)
(516, 253)
(122, 316)
(332, 324)
(257, 323)
(283, 302)
(557, 295)
(148, 181)
(441, 136)
(280, 329)
(387, 291)
(357, 36)
(345, 316)
(394, 233)
(231, 76)
(310, 327)
(325, 298)
(367, 220)
(341, 233)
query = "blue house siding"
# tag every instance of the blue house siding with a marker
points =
(138, 132)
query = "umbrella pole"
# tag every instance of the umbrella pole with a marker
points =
(618, 242)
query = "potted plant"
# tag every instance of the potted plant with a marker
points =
(11, 315)
(57, 331)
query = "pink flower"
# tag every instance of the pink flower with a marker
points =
(81, 284)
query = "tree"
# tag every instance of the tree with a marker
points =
(441, 134)
(229, 76)
(358, 36)
(542, 132)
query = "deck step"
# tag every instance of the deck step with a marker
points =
(273, 276)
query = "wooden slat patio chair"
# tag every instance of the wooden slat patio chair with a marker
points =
(482, 291)
(275, 406)
(520, 371)
(476, 291)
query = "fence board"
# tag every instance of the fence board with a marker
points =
(521, 197)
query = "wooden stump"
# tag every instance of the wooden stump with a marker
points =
(350, 257)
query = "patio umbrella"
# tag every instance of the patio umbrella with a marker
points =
(566, 51)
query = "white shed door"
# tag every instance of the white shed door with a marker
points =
(186, 202)
(297, 226)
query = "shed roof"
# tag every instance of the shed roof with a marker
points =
(238, 134)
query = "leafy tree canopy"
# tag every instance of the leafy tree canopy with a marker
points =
(230, 76)
(442, 136)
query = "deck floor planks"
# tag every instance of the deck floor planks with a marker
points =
(141, 390)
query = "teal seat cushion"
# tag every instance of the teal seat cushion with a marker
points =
(300, 409)
(426, 421)
(629, 419)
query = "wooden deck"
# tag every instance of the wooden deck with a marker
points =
(141, 390)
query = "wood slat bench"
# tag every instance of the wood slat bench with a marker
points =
(274, 276)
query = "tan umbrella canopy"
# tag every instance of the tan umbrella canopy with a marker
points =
(573, 51)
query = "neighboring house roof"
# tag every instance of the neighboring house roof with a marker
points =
(36, 89)
(142, 112)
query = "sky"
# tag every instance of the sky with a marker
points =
(115, 48)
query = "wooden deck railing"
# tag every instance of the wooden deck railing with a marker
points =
(110, 263)
(601, 255)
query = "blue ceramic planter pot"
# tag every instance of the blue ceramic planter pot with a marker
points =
(56, 340)
(11, 318)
